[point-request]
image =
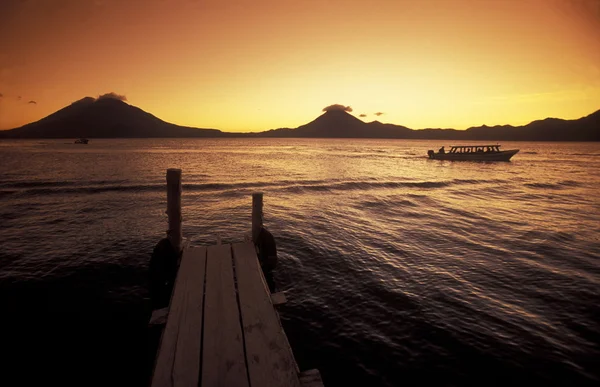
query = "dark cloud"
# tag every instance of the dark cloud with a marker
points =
(19, 97)
(113, 95)
(1, 95)
(337, 108)
(32, 102)
(379, 113)
(363, 115)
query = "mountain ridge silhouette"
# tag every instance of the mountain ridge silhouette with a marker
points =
(103, 118)
(112, 118)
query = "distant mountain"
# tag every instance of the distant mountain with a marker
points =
(112, 118)
(339, 124)
(550, 129)
(104, 118)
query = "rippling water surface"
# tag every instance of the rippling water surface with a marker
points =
(399, 270)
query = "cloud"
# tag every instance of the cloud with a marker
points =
(337, 108)
(379, 114)
(112, 95)
(363, 115)
(19, 97)
(32, 102)
(1, 95)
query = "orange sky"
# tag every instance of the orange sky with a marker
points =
(241, 65)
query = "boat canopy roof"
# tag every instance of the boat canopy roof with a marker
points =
(474, 146)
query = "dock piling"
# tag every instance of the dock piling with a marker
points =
(221, 327)
(257, 215)
(174, 207)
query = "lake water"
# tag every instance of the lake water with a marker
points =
(398, 270)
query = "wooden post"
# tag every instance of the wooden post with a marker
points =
(257, 215)
(174, 207)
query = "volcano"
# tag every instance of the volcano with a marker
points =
(340, 124)
(104, 118)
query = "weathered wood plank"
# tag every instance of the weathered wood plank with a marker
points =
(223, 362)
(268, 353)
(178, 359)
(311, 378)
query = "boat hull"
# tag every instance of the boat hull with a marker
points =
(475, 156)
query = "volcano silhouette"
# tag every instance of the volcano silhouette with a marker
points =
(340, 124)
(113, 118)
(104, 117)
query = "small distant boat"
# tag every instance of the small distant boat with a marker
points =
(82, 141)
(473, 153)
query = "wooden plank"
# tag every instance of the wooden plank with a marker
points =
(268, 353)
(278, 298)
(159, 316)
(223, 362)
(311, 378)
(178, 360)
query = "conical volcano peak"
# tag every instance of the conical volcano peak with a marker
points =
(84, 100)
(107, 116)
(338, 115)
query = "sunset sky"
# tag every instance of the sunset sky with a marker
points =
(247, 65)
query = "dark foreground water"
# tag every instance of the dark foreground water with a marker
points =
(399, 270)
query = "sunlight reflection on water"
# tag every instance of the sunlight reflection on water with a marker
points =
(398, 269)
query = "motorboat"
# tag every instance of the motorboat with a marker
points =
(473, 153)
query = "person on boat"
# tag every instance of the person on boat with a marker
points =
(442, 150)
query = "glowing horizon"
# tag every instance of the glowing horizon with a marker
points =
(265, 64)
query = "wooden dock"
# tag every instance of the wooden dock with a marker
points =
(222, 328)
